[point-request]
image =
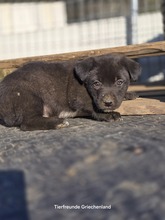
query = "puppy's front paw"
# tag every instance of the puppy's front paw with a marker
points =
(112, 116)
(64, 124)
(131, 96)
(116, 116)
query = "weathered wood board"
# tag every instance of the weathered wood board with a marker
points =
(151, 101)
(142, 106)
(132, 51)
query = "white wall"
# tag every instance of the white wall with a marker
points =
(30, 29)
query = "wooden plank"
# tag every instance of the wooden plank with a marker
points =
(132, 51)
(151, 101)
(149, 87)
(148, 90)
(143, 106)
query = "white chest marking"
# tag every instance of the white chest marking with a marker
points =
(46, 111)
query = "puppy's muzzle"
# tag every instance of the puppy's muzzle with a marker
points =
(107, 103)
(108, 100)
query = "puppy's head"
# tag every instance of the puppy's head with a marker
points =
(107, 78)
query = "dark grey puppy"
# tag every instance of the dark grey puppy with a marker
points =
(39, 95)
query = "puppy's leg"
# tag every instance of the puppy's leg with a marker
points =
(29, 109)
(41, 123)
(113, 116)
(131, 96)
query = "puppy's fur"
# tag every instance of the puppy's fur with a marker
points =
(39, 95)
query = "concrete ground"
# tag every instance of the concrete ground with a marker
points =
(88, 171)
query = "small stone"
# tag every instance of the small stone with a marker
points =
(138, 150)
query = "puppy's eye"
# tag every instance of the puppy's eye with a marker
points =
(97, 84)
(119, 82)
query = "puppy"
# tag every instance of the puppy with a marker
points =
(40, 95)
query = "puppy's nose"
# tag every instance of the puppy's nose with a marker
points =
(108, 103)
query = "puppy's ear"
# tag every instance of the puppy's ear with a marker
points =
(82, 68)
(133, 69)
